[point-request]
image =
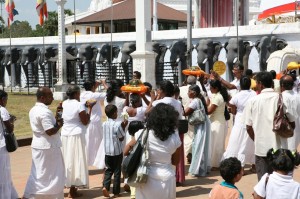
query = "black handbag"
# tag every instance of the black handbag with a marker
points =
(131, 162)
(183, 124)
(10, 139)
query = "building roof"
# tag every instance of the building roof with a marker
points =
(125, 10)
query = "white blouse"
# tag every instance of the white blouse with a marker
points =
(72, 123)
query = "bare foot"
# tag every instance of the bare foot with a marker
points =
(116, 195)
(105, 192)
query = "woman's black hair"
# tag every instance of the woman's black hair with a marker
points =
(197, 90)
(134, 126)
(72, 90)
(114, 89)
(3, 94)
(176, 90)
(230, 168)
(223, 91)
(134, 98)
(167, 87)
(283, 159)
(162, 120)
(88, 85)
(245, 83)
(148, 84)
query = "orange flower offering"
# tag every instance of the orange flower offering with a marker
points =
(135, 86)
(194, 70)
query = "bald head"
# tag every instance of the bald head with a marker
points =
(286, 82)
(44, 95)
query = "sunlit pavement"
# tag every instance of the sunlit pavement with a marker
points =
(192, 188)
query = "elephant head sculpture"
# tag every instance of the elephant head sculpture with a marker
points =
(266, 46)
(248, 48)
(13, 57)
(87, 55)
(2, 68)
(31, 56)
(71, 64)
(126, 60)
(207, 52)
(178, 54)
(108, 53)
(160, 50)
(235, 52)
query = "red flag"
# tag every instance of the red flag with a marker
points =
(41, 8)
(11, 11)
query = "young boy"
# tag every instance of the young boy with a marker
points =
(231, 171)
(113, 135)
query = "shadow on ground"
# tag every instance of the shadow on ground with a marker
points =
(193, 191)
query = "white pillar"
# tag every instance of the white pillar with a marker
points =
(246, 12)
(154, 16)
(62, 84)
(144, 57)
(196, 14)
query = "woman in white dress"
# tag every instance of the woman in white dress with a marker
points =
(216, 109)
(201, 154)
(136, 111)
(73, 140)
(7, 189)
(94, 132)
(164, 143)
(115, 96)
(240, 144)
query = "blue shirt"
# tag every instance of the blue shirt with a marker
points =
(112, 132)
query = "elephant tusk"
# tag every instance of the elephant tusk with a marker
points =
(8, 63)
(235, 60)
(105, 61)
(83, 63)
(128, 60)
(178, 60)
(204, 61)
(26, 63)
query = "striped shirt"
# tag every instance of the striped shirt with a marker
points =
(112, 132)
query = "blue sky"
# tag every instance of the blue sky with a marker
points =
(26, 9)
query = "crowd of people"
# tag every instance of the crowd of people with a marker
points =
(65, 145)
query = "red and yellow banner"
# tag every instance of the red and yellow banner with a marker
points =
(41, 8)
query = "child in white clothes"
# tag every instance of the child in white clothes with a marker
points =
(279, 184)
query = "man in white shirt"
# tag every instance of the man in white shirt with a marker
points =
(47, 177)
(259, 114)
(291, 102)
(233, 86)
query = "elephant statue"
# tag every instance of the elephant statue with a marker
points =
(207, 52)
(235, 53)
(48, 64)
(2, 68)
(160, 50)
(108, 53)
(71, 64)
(178, 54)
(248, 48)
(87, 59)
(266, 46)
(13, 57)
(126, 60)
(31, 57)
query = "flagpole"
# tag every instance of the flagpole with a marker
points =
(10, 56)
(75, 31)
